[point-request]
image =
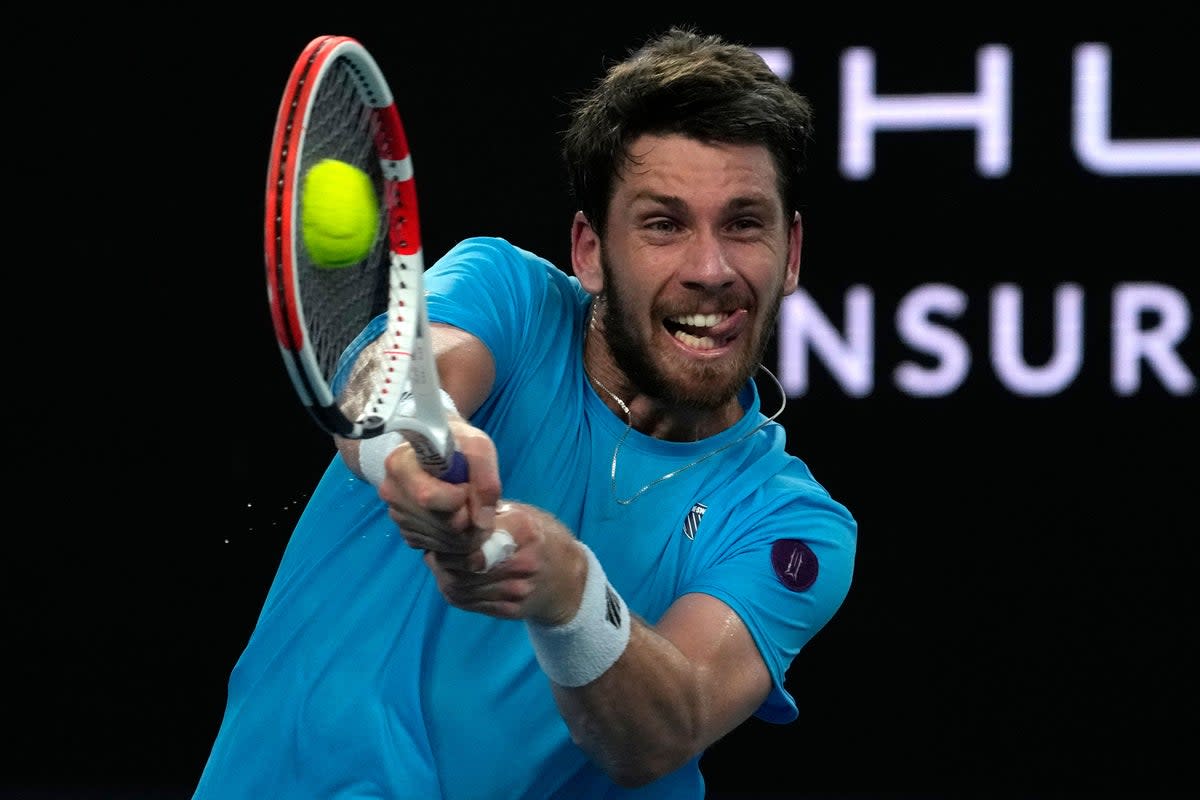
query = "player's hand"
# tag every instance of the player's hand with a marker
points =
(437, 516)
(542, 580)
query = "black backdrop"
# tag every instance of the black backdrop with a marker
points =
(1022, 613)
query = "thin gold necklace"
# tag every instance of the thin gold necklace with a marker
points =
(705, 457)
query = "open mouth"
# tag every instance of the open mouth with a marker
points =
(701, 331)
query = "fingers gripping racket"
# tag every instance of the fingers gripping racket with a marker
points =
(355, 339)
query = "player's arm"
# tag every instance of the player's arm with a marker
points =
(639, 700)
(466, 372)
(434, 515)
(676, 688)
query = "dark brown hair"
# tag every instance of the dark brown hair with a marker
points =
(683, 82)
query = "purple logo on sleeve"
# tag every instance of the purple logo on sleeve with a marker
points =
(795, 564)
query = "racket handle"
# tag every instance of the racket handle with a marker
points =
(456, 471)
(500, 545)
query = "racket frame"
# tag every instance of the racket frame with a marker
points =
(406, 397)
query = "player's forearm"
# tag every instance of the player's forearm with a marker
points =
(644, 716)
(348, 448)
(633, 701)
(465, 367)
(640, 700)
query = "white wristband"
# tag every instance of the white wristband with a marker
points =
(581, 650)
(373, 452)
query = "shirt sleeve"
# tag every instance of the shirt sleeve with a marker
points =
(491, 289)
(786, 575)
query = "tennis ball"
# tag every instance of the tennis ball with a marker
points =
(339, 213)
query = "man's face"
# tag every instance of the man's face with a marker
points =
(695, 260)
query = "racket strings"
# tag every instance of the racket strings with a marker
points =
(340, 303)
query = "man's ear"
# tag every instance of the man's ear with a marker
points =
(585, 255)
(791, 277)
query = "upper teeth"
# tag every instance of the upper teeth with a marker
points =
(698, 320)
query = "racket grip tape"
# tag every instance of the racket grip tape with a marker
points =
(456, 469)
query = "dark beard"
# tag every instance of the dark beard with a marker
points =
(634, 359)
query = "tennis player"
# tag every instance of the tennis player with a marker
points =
(673, 559)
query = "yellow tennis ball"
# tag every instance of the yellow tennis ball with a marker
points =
(339, 213)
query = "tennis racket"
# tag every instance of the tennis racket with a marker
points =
(355, 340)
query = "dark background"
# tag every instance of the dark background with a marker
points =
(1022, 618)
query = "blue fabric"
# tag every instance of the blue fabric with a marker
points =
(386, 691)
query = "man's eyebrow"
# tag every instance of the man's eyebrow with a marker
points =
(670, 200)
(748, 201)
(676, 203)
